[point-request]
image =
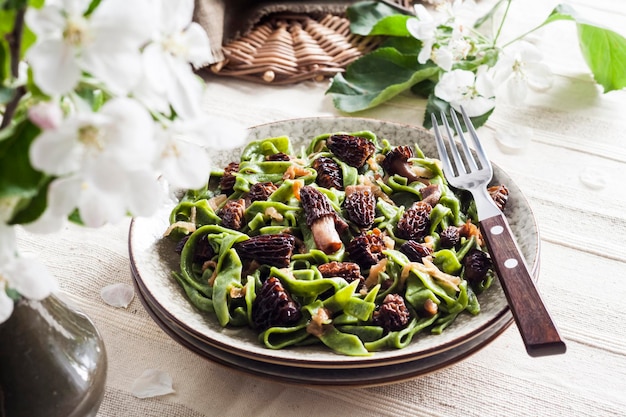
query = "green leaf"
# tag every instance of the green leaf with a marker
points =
(436, 105)
(605, 54)
(17, 177)
(365, 15)
(30, 209)
(391, 26)
(377, 77)
(604, 50)
(406, 46)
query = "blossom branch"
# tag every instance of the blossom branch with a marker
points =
(14, 39)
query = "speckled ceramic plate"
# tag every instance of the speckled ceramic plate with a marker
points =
(153, 259)
(326, 377)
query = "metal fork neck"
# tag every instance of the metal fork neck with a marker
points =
(485, 205)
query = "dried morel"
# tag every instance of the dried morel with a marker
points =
(353, 150)
(349, 271)
(449, 237)
(274, 249)
(273, 306)
(415, 222)
(328, 173)
(366, 249)
(392, 314)
(500, 195)
(360, 204)
(232, 214)
(397, 162)
(476, 264)
(261, 191)
(322, 219)
(280, 156)
(415, 251)
(203, 251)
(227, 182)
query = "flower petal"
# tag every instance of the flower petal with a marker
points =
(198, 46)
(121, 20)
(98, 208)
(55, 151)
(186, 96)
(443, 58)
(54, 67)
(118, 295)
(187, 166)
(175, 15)
(47, 21)
(120, 70)
(515, 90)
(152, 383)
(6, 305)
(8, 243)
(144, 194)
(539, 76)
(31, 278)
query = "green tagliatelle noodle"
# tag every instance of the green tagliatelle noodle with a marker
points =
(227, 284)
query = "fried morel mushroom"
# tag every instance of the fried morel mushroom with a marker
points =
(274, 249)
(232, 214)
(366, 249)
(360, 205)
(227, 182)
(415, 222)
(328, 173)
(397, 162)
(353, 150)
(273, 306)
(500, 195)
(324, 222)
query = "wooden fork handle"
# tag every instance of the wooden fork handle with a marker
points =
(539, 333)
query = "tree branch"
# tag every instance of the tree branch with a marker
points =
(15, 44)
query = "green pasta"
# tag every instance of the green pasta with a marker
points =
(351, 243)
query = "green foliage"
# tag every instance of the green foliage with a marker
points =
(604, 50)
(18, 179)
(366, 18)
(392, 68)
(376, 78)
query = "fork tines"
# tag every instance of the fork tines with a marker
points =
(460, 165)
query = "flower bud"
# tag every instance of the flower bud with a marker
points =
(46, 115)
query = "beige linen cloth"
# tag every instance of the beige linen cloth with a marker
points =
(582, 277)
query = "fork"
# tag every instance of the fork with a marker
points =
(538, 331)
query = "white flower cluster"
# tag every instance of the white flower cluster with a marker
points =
(447, 40)
(148, 132)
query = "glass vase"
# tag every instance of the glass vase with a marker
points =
(52, 362)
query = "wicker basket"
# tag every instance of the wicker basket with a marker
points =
(286, 48)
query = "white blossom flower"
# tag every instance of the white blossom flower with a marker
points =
(177, 46)
(424, 28)
(183, 158)
(27, 276)
(461, 88)
(442, 48)
(518, 69)
(103, 161)
(105, 43)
